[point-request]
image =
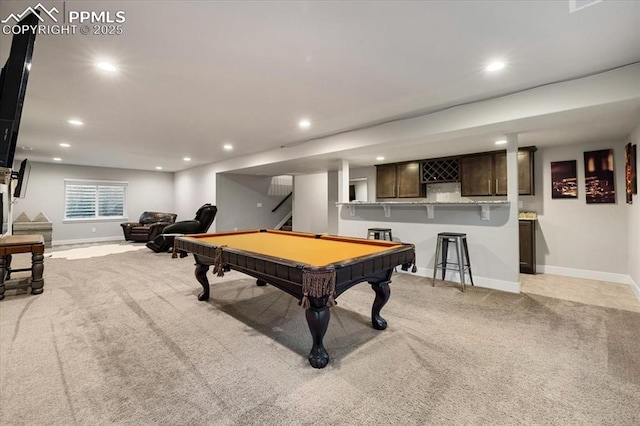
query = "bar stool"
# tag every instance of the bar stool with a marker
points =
(462, 253)
(379, 234)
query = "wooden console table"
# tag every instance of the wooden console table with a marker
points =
(14, 244)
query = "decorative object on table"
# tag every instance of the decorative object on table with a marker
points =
(527, 216)
(564, 179)
(5, 176)
(599, 177)
(41, 225)
(148, 226)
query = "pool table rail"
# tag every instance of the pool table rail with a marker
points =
(287, 275)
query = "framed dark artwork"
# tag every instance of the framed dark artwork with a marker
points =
(628, 167)
(599, 177)
(564, 179)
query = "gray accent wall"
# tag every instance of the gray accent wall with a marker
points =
(575, 238)
(243, 203)
(146, 191)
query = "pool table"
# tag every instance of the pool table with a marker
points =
(313, 268)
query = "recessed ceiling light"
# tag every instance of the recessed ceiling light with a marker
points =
(187, 159)
(380, 158)
(495, 66)
(65, 145)
(501, 142)
(106, 66)
(26, 148)
(57, 159)
(75, 122)
(228, 147)
(304, 123)
(158, 168)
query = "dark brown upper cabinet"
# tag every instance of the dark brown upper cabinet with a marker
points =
(386, 181)
(476, 175)
(401, 180)
(486, 174)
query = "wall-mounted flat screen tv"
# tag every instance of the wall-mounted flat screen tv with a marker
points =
(23, 179)
(13, 86)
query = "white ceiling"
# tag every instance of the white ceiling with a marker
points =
(194, 75)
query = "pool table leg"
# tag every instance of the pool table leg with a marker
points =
(201, 276)
(318, 320)
(383, 292)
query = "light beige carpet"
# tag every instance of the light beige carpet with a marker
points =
(122, 339)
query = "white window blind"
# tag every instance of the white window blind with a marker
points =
(94, 200)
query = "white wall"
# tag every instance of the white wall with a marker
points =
(146, 191)
(310, 195)
(370, 174)
(193, 188)
(633, 227)
(237, 199)
(574, 238)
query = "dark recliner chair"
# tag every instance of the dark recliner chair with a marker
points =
(203, 220)
(149, 226)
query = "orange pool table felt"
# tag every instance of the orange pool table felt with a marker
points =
(299, 247)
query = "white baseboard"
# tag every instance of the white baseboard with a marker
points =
(584, 273)
(86, 240)
(493, 284)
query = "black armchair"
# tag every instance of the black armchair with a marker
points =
(203, 220)
(148, 226)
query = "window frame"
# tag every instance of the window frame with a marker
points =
(96, 183)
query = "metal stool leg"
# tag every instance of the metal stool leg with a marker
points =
(460, 261)
(445, 254)
(435, 262)
(466, 252)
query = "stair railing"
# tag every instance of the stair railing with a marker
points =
(282, 202)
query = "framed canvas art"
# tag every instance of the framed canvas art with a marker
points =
(564, 179)
(628, 167)
(634, 169)
(599, 177)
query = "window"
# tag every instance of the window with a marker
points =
(86, 199)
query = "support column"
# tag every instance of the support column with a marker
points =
(343, 182)
(512, 197)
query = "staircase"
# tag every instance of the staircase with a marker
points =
(288, 225)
